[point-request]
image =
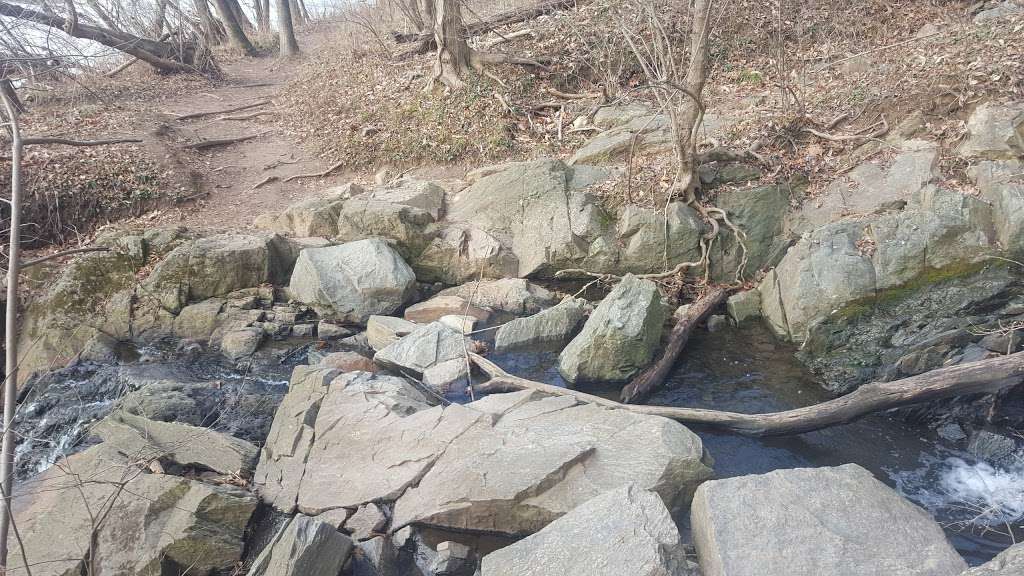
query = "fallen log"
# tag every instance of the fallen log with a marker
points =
(195, 115)
(205, 144)
(982, 377)
(642, 386)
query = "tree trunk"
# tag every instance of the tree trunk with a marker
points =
(289, 46)
(454, 56)
(211, 31)
(297, 18)
(159, 20)
(243, 20)
(305, 12)
(262, 16)
(411, 9)
(236, 36)
(653, 376)
(687, 117)
(163, 56)
(982, 377)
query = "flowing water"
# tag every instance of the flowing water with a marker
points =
(747, 370)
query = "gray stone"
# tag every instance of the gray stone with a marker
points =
(612, 116)
(513, 295)
(642, 233)
(198, 321)
(1003, 342)
(367, 522)
(838, 521)
(642, 134)
(623, 531)
(444, 376)
(1002, 184)
(382, 331)
(452, 559)
(239, 344)
(460, 253)
(444, 305)
(306, 330)
(376, 557)
(716, 323)
(995, 131)
(421, 194)
(327, 330)
(1009, 562)
(304, 547)
(353, 281)
(459, 323)
(951, 431)
(153, 522)
(553, 326)
(187, 446)
(347, 361)
(408, 229)
(100, 348)
(620, 337)
(744, 305)
(421, 349)
(311, 217)
(759, 212)
(990, 446)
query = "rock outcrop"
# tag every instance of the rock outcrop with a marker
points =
(623, 531)
(619, 338)
(839, 521)
(551, 327)
(421, 349)
(1009, 562)
(353, 281)
(513, 295)
(304, 546)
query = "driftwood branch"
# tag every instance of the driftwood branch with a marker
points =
(315, 174)
(67, 142)
(222, 111)
(204, 144)
(642, 386)
(981, 377)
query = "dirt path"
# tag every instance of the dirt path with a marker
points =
(223, 177)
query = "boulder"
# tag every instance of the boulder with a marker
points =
(458, 322)
(623, 531)
(156, 523)
(759, 212)
(311, 217)
(453, 559)
(348, 362)
(421, 349)
(620, 337)
(460, 253)
(641, 134)
(444, 305)
(198, 321)
(353, 281)
(513, 295)
(653, 241)
(367, 522)
(238, 344)
(995, 131)
(408, 229)
(1009, 562)
(326, 330)
(838, 521)
(444, 376)
(553, 327)
(382, 331)
(1001, 184)
(613, 116)
(420, 194)
(303, 547)
(744, 305)
(184, 445)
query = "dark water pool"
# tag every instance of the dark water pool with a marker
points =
(747, 370)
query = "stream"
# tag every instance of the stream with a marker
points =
(747, 370)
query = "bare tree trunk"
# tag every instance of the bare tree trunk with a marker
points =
(265, 21)
(159, 20)
(11, 334)
(305, 12)
(243, 20)
(297, 18)
(454, 57)
(163, 56)
(289, 46)
(411, 9)
(686, 118)
(209, 27)
(261, 16)
(236, 36)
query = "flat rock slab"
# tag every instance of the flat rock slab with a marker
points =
(421, 349)
(513, 295)
(556, 325)
(811, 521)
(623, 531)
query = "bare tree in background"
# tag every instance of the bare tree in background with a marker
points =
(289, 46)
(236, 35)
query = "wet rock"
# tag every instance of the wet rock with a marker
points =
(744, 306)
(187, 446)
(1009, 562)
(239, 344)
(311, 217)
(453, 559)
(367, 522)
(100, 348)
(420, 194)
(460, 253)
(347, 362)
(376, 557)
(995, 131)
(444, 376)
(513, 295)
(304, 330)
(716, 323)
(839, 521)
(421, 349)
(556, 325)
(382, 331)
(352, 281)
(304, 547)
(408, 229)
(643, 235)
(623, 531)
(1002, 342)
(326, 330)
(951, 431)
(620, 337)
(990, 446)
(157, 521)
(444, 305)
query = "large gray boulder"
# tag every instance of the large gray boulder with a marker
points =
(1009, 562)
(460, 253)
(152, 523)
(304, 546)
(420, 194)
(382, 331)
(554, 326)
(620, 337)
(353, 281)
(188, 446)
(513, 295)
(407, 228)
(759, 212)
(623, 531)
(653, 240)
(310, 217)
(839, 521)
(1001, 183)
(422, 348)
(995, 131)
(650, 133)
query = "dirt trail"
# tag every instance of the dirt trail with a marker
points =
(223, 177)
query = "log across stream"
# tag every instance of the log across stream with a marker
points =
(748, 371)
